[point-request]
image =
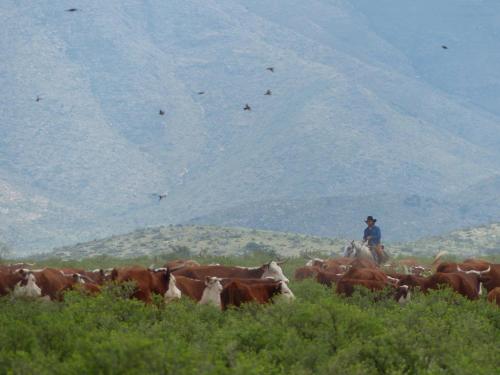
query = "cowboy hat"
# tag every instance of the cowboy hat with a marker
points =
(370, 218)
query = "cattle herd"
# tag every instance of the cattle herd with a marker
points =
(225, 286)
(467, 278)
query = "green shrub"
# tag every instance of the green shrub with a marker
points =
(319, 333)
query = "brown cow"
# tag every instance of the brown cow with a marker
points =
(8, 280)
(237, 292)
(467, 265)
(366, 274)
(271, 269)
(284, 289)
(491, 279)
(467, 285)
(159, 281)
(347, 287)
(180, 263)
(207, 292)
(328, 278)
(494, 296)
(97, 276)
(307, 272)
(50, 282)
(84, 284)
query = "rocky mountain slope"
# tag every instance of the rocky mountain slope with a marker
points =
(362, 102)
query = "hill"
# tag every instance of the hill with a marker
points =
(478, 241)
(194, 240)
(361, 103)
(191, 240)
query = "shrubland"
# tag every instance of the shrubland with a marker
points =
(319, 333)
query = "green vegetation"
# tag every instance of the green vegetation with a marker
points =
(320, 333)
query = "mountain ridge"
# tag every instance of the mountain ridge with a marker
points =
(351, 112)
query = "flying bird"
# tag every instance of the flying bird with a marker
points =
(444, 47)
(71, 10)
(271, 69)
(162, 112)
(201, 92)
(38, 98)
(247, 108)
(268, 92)
(161, 196)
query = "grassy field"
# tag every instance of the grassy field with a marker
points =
(319, 333)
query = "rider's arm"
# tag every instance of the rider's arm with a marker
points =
(376, 235)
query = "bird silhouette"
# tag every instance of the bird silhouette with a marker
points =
(444, 47)
(271, 69)
(201, 92)
(161, 196)
(162, 112)
(71, 10)
(247, 108)
(268, 92)
(38, 98)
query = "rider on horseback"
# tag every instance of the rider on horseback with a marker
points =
(372, 236)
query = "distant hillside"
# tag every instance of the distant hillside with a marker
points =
(401, 217)
(483, 240)
(186, 240)
(364, 101)
(198, 240)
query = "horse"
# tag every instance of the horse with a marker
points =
(360, 250)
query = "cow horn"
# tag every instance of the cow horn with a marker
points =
(459, 269)
(151, 267)
(279, 262)
(161, 269)
(485, 271)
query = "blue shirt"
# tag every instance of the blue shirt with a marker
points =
(374, 233)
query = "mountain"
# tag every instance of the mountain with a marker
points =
(363, 103)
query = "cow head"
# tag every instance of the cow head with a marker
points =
(403, 294)
(172, 291)
(27, 286)
(479, 277)
(273, 270)
(286, 292)
(212, 291)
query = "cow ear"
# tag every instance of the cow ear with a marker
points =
(207, 280)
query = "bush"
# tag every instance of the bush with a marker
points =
(320, 333)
